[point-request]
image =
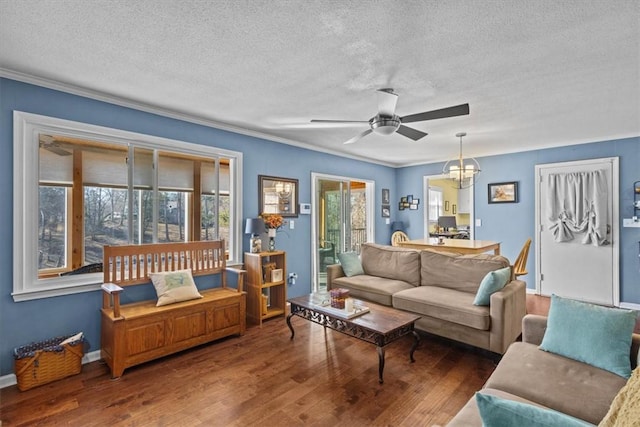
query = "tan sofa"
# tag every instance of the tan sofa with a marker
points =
(441, 287)
(529, 375)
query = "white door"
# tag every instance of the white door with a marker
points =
(571, 268)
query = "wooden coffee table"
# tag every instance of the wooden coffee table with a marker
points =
(380, 326)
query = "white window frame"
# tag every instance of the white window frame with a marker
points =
(26, 128)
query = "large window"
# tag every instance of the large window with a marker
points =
(79, 187)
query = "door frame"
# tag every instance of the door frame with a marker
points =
(425, 197)
(615, 223)
(370, 192)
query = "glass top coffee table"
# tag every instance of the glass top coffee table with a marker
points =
(380, 325)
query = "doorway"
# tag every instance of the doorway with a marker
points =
(444, 198)
(342, 219)
(565, 265)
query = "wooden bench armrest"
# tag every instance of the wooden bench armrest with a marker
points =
(111, 291)
(241, 274)
(111, 288)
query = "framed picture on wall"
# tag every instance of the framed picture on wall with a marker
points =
(386, 211)
(503, 192)
(385, 196)
(278, 195)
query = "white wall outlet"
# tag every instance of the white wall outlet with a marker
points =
(292, 224)
(478, 222)
(292, 278)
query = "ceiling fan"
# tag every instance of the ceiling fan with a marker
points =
(387, 122)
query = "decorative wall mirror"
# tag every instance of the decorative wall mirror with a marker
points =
(278, 196)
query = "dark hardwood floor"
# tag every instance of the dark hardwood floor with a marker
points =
(320, 378)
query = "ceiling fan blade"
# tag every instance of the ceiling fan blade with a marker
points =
(339, 121)
(357, 137)
(411, 133)
(387, 101)
(458, 110)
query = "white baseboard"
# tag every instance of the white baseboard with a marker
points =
(630, 305)
(9, 380)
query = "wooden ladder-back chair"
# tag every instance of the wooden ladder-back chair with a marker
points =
(398, 236)
(520, 266)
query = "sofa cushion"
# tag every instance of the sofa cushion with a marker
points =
(391, 262)
(491, 283)
(371, 288)
(599, 336)
(565, 385)
(498, 412)
(351, 264)
(455, 271)
(469, 414)
(444, 303)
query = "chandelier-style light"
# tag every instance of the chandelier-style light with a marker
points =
(462, 171)
(283, 189)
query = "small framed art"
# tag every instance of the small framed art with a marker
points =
(503, 192)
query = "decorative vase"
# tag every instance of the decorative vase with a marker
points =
(272, 239)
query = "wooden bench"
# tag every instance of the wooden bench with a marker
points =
(138, 332)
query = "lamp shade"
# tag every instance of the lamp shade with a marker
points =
(254, 226)
(397, 226)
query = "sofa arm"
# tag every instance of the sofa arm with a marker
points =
(507, 308)
(333, 272)
(533, 328)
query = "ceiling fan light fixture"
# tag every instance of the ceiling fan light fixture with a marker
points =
(385, 125)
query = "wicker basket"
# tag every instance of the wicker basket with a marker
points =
(46, 361)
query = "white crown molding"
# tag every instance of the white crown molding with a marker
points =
(173, 114)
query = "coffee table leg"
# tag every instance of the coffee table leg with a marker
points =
(416, 341)
(380, 363)
(289, 324)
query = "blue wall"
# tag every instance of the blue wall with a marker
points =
(21, 323)
(512, 224)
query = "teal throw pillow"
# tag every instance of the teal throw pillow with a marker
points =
(498, 412)
(492, 282)
(351, 264)
(596, 335)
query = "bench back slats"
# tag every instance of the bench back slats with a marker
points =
(131, 264)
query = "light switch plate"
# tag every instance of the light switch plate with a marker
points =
(629, 222)
(478, 222)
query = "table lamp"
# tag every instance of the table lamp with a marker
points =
(254, 226)
(397, 226)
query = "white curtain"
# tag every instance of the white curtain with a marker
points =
(577, 203)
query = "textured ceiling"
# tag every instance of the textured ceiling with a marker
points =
(535, 73)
